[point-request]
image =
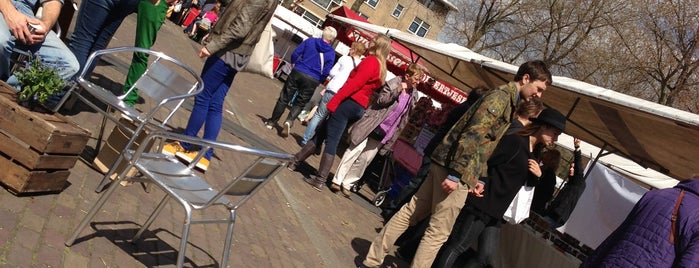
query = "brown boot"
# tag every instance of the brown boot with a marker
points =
(346, 193)
(318, 181)
(335, 187)
(299, 157)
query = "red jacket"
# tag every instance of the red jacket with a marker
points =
(362, 82)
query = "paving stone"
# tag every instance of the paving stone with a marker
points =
(20, 256)
(26, 238)
(34, 222)
(49, 256)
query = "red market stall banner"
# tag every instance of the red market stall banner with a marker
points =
(398, 60)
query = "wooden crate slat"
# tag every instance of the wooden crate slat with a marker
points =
(44, 132)
(21, 180)
(31, 159)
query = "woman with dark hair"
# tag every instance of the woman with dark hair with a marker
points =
(543, 192)
(512, 165)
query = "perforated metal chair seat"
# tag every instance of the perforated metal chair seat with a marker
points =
(174, 177)
(166, 83)
(192, 191)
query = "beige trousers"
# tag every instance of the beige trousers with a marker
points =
(429, 199)
(354, 162)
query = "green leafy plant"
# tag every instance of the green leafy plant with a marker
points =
(38, 81)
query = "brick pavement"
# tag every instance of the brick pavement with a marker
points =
(287, 224)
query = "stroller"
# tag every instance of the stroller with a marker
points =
(390, 177)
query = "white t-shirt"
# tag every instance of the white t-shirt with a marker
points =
(340, 72)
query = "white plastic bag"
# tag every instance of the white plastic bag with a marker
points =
(177, 7)
(519, 208)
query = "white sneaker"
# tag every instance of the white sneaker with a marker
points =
(285, 130)
(269, 124)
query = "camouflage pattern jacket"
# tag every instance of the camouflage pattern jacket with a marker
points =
(470, 142)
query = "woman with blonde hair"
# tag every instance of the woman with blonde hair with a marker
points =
(346, 107)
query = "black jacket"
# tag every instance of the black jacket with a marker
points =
(566, 199)
(508, 171)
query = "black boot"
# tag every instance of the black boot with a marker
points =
(318, 181)
(299, 157)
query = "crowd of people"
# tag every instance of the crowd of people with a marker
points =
(490, 146)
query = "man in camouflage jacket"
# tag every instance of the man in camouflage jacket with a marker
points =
(457, 163)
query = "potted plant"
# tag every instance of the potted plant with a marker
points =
(38, 82)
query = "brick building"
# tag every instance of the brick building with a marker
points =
(421, 17)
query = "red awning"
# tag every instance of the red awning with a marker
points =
(398, 60)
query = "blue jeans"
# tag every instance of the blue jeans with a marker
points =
(317, 117)
(347, 112)
(208, 105)
(52, 51)
(95, 25)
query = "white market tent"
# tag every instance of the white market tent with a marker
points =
(652, 135)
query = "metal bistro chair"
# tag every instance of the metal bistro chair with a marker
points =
(161, 82)
(180, 182)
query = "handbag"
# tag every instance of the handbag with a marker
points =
(261, 60)
(377, 134)
(519, 208)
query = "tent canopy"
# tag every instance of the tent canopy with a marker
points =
(652, 135)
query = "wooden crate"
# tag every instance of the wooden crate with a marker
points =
(36, 150)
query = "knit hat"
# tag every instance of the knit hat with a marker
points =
(551, 117)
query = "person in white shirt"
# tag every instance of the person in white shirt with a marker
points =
(338, 76)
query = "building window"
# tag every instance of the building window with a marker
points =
(327, 4)
(311, 18)
(396, 12)
(372, 3)
(419, 27)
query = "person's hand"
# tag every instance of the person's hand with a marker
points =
(478, 190)
(449, 186)
(39, 33)
(17, 24)
(203, 53)
(322, 92)
(534, 168)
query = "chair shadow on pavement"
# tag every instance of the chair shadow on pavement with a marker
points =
(150, 250)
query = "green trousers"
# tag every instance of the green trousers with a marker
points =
(150, 18)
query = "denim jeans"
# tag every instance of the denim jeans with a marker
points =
(208, 105)
(347, 112)
(96, 23)
(320, 114)
(52, 51)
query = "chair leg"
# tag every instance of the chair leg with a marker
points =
(185, 235)
(229, 239)
(103, 126)
(91, 214)
(105, 180)
(150, 219)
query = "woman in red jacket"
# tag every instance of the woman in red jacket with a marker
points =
(346, 107)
